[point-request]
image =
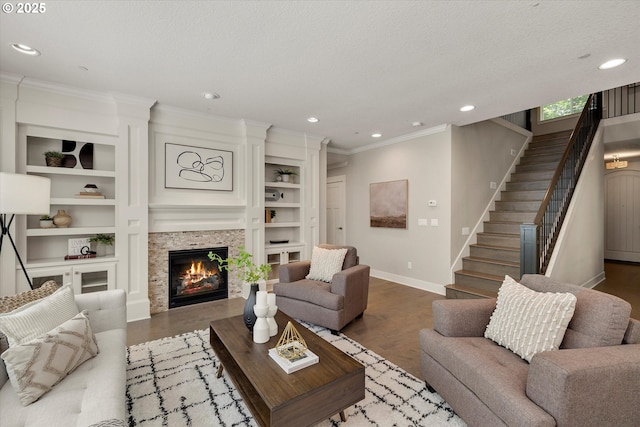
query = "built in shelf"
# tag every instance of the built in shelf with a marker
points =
(69, 171)
(82, 201)
(290, 245)
(69, 231)
(281, 205)
(280, 184)
(61, 262)
(281, 224)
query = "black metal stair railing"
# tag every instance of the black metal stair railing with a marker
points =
(538, 239)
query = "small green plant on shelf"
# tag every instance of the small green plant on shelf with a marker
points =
(46, 218)
(104, 239)
(284, 174)
(247, 270)
(54, 154)
(53, 158)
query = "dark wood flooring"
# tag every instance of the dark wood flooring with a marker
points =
(389, 327)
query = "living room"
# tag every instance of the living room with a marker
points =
(144, 100)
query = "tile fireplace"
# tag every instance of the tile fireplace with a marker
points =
(194, 278)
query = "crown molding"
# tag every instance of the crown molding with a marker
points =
(14, 79)
(31, 83)
(396, 140)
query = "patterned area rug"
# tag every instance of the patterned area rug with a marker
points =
(172, 382)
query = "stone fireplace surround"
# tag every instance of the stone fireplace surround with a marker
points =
(160, 243)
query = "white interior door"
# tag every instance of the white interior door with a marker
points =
(622, 216)
(336, 200)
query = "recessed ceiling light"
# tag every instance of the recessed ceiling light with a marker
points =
(313, 120)
(467, 108)
(376, 135)
(612, 64)
(27, 50)
(210, 95)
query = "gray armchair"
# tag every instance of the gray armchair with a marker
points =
(592, 380)
(332, 305)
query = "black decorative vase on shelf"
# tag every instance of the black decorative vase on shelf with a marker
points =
(249, 315)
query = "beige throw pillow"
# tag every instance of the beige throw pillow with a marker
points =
(529, 322)
(36, 318)
(325, 263)
(36, 366)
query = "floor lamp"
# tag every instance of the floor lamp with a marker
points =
(21, 195)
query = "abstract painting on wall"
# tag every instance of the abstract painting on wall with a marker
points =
(388, 204)
(198, 168)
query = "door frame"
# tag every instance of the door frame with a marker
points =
(340, 179)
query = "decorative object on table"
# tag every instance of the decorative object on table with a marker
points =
(46, 221)
(272, 194)
(291, 353)
(77, 155)
(388, 204)
(62, 219)
(103, 244)
(13, 188)
(90, 191)
(247, 272)
(261, 327)
(285, 174)
(53, 158)
(79, 246)
(273, 309)
(198, 168)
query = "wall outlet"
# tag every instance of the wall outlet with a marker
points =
(493, 185)
(513, 152)
(465, 231)
(409, 265)
(423, 222)
(434, 222)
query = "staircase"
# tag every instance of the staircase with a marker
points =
(497, 252)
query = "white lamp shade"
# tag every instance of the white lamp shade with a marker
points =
(24, 194)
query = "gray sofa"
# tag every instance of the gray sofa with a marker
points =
(331, 305)
(92, 394)
(593, 380)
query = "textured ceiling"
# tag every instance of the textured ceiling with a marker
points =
(359, 66)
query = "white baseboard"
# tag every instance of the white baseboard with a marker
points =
(138, 310)
(409, 281)
(594, 281)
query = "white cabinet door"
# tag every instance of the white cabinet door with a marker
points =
(61, 275)
(94, 277)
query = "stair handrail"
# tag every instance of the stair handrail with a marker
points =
(538, 239)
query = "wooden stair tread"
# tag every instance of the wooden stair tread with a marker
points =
(492, 261)
(473, 291)
(481, 275)
(501, 248)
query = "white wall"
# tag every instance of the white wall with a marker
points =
(579, 253)
(481, 154)
(425, 161)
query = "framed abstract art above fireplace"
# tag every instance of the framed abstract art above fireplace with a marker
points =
(198, 168)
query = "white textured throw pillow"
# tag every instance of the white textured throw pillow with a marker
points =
(39, 317)
(36, 366)
(529, 322)
(325, 263)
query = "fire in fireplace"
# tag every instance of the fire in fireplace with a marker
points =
(194, 278)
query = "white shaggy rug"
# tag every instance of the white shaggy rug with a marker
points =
(172, 382)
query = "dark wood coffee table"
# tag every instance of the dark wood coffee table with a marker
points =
(275, 398)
